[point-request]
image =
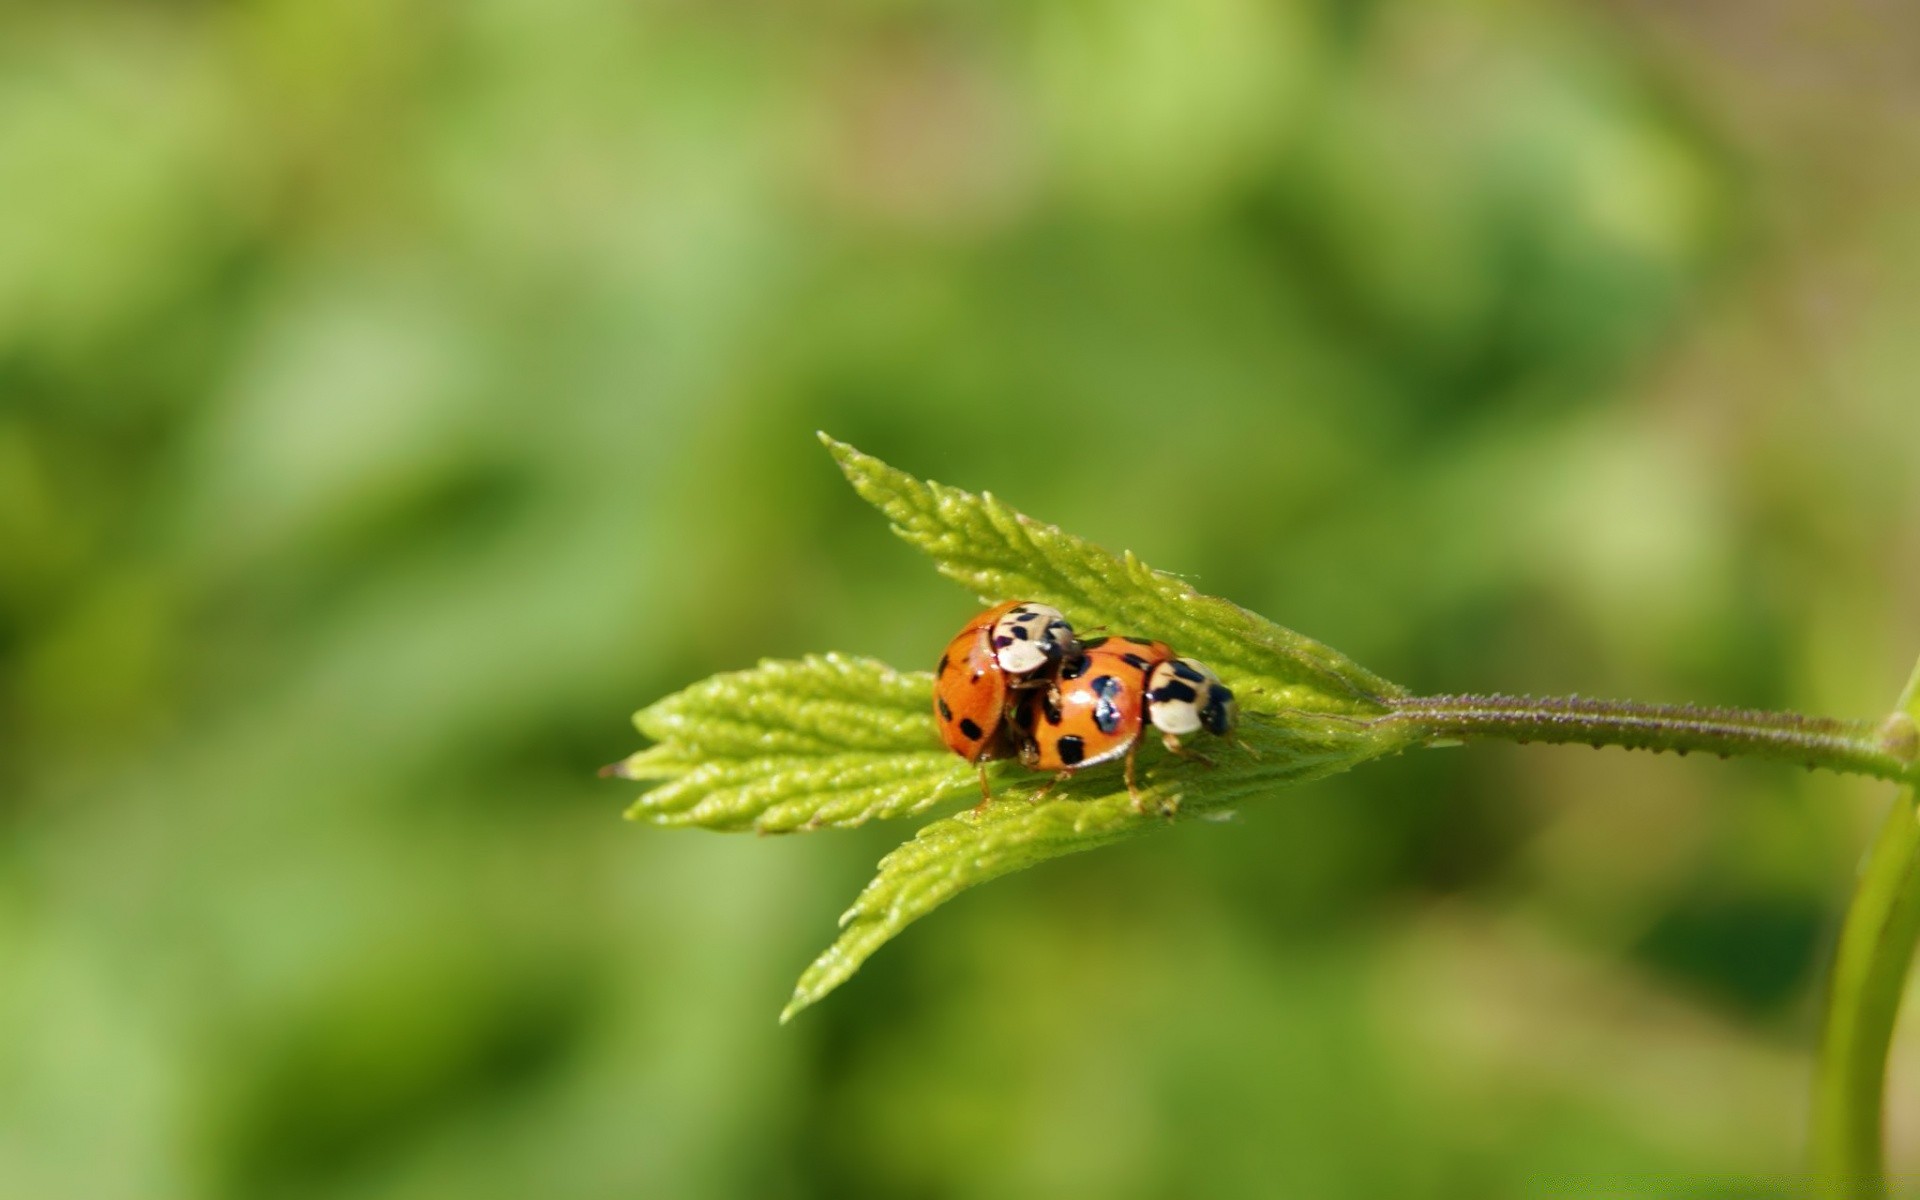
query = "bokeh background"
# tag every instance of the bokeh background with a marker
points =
(394, 395)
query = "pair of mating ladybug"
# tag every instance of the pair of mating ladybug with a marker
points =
(1016, 682)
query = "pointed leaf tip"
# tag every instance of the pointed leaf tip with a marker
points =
(994, 551)
(949, 856)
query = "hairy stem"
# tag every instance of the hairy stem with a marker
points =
(1863, 998)
(1882, 750)
(1883, 921)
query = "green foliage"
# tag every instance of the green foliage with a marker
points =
(998, 553)
(394, 393)
(837, 741)
(1082, 813)
(827, 740)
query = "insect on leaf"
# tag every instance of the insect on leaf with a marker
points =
(832, 740)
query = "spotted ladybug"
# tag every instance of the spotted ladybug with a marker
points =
(1007, 649)
(1107, 696)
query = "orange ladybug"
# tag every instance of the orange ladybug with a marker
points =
(1105, 699)
(1008, 648)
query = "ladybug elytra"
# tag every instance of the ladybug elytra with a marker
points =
(1008, 648)
(1107, 697)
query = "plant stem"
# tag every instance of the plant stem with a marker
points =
(1884, 751)
(1863, 999)
(1883, 920)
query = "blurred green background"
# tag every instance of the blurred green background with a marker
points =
(394, 395)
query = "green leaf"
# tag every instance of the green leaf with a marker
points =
(835, 741)
(1001, 554)
(825, 741)
(1082, 813)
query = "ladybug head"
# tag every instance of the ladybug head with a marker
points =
(1032, 637)
(1218, 714)
(1185, 696)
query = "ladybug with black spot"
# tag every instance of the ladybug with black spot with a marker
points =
(1006, 650)
(1108, 696)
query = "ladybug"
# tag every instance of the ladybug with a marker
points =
(1010, 647)
(1106, 698)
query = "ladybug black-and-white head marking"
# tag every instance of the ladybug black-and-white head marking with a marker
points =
(1184, 696)
(1031, 637)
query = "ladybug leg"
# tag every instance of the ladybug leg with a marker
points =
(1168, 806)
(986, 793)
(1172, 743)
(1040, 795)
